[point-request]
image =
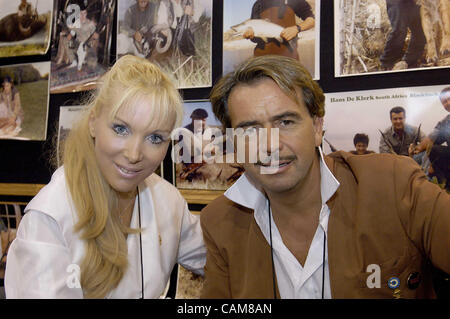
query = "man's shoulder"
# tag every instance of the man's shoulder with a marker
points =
(133, 8)
(387, 130)
(445, 121)
(410, 128)
(223, 209)
(374, 165)
(343, 157)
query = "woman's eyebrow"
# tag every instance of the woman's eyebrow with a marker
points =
(117, 118)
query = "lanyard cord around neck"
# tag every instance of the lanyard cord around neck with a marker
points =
(271, 254)
(140, 245)
(323, 261)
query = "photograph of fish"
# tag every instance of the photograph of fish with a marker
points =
(378, 36)
(25, 27)
(24, 101)
(174, 34)
(81, 43)
(200, 167)
(259, 27)
(410, 121)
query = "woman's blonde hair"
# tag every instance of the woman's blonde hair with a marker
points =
(96, 203)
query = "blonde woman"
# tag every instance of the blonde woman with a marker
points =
(104, 215)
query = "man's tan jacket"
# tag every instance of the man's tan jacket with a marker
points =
(384, 212)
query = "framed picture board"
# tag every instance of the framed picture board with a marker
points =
(24, 101)
(194, 172)
(25, 28)
(238, 16)
(379, 36)
(368, 112)
(177, 37)
(81, 43)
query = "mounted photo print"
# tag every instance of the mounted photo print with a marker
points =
(25, 27)
(68, 115)
(259, 27)
(81, 43)
(198, 164)
(374, 36)
(401, 121)
(24, 101)
(174, 34)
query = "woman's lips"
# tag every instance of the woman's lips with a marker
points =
(127, 172)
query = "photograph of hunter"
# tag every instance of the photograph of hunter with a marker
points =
(174, 34)
(24, 27)
(391, 35)
(200, 151)
(81, 43)
(412, 122)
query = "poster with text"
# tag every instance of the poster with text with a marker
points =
(257, 27)
(80, 48)
(378, 36)
(174, 34)
(369, 113)
(25, 27)
(24, 101)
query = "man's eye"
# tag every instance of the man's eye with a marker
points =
(120, 129)
(284, 123)
(156, 139)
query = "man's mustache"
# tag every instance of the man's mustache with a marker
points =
(270, 159)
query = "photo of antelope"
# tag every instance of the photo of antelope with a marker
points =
(174, 34)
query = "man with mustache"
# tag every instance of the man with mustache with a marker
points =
(316, 226)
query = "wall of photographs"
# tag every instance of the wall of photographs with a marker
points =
(52, 68)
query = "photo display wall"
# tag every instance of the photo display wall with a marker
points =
(368, 112)
(52, 53)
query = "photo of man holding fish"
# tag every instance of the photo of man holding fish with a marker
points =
(261, 27)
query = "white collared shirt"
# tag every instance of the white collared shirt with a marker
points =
(294, 280)
(44, 259)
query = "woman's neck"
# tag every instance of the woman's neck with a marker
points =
(126, 206)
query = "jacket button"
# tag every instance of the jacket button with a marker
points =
(414, 280)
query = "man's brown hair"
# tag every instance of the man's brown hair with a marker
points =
(287, 73)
